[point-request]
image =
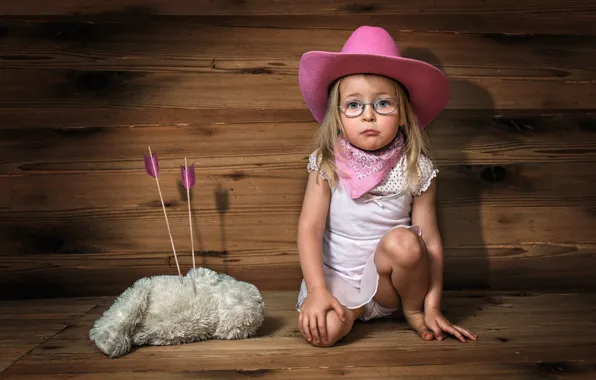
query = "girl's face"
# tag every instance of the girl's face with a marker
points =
(370, 130)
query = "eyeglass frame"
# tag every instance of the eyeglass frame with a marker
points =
(372, 104)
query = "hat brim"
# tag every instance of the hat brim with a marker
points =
(428, 87)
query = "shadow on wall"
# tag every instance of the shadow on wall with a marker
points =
(43, 239)
(466, 260)
(221, 197)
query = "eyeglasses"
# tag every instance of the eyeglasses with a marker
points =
(355, 108)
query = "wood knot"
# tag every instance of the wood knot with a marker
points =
(509, 39)
(99, 81)
(515, 124)
(493, 174)
(80, 133)
(557, 367)
(212, 253)
(69, 31)
(588, 124)
(92, 81)
(252, 372)
(256, 71)
(359, 8)
(49, 243)
(237, 175)
(157, 204)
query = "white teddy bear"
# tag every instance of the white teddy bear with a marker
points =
(165, 310)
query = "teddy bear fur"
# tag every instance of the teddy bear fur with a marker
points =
(164, 310)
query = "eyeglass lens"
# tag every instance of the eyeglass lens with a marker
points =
(356, 107)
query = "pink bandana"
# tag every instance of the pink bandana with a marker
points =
(361, 171)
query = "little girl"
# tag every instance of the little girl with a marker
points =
(367, 237)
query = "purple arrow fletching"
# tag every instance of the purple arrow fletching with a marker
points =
(188, 176)
(149, 165)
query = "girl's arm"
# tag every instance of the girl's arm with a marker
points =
(312, 319)
(424, 216)
(311, 226)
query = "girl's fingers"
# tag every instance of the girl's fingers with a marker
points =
(448, 328)
(466, 332)
(322, 327)
(306, 329)
(314, 329)
(339, 309)
(438, 333)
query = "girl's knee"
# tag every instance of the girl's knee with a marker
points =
(403, 247)
(336, 328)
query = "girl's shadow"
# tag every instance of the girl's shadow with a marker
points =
(459, 192)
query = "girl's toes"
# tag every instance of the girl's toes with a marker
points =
(416, 322)
(425, 334)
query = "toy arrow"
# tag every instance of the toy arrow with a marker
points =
(188, 180)
(152, 168)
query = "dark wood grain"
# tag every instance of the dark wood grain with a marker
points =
(219, 48)
(130, 74)
(310, 7)
(547, 266)
(26, 325)
(513, 371)
(117, 92)
(455, 141)
(510, 344)
(515, 203)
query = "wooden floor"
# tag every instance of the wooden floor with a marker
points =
(521, 336)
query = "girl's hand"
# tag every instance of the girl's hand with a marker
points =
(437, 323)
(312, 320)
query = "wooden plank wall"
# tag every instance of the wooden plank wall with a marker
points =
(86, 86)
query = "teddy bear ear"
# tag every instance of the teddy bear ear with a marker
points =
(189, 274)
(200, 271)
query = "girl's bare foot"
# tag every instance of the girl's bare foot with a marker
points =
(416, 321)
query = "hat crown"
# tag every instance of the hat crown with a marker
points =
(371, 40)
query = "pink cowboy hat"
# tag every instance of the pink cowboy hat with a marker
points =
(371, 50)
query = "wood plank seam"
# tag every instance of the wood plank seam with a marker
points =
(41, 343)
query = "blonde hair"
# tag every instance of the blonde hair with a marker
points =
(416, 140)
